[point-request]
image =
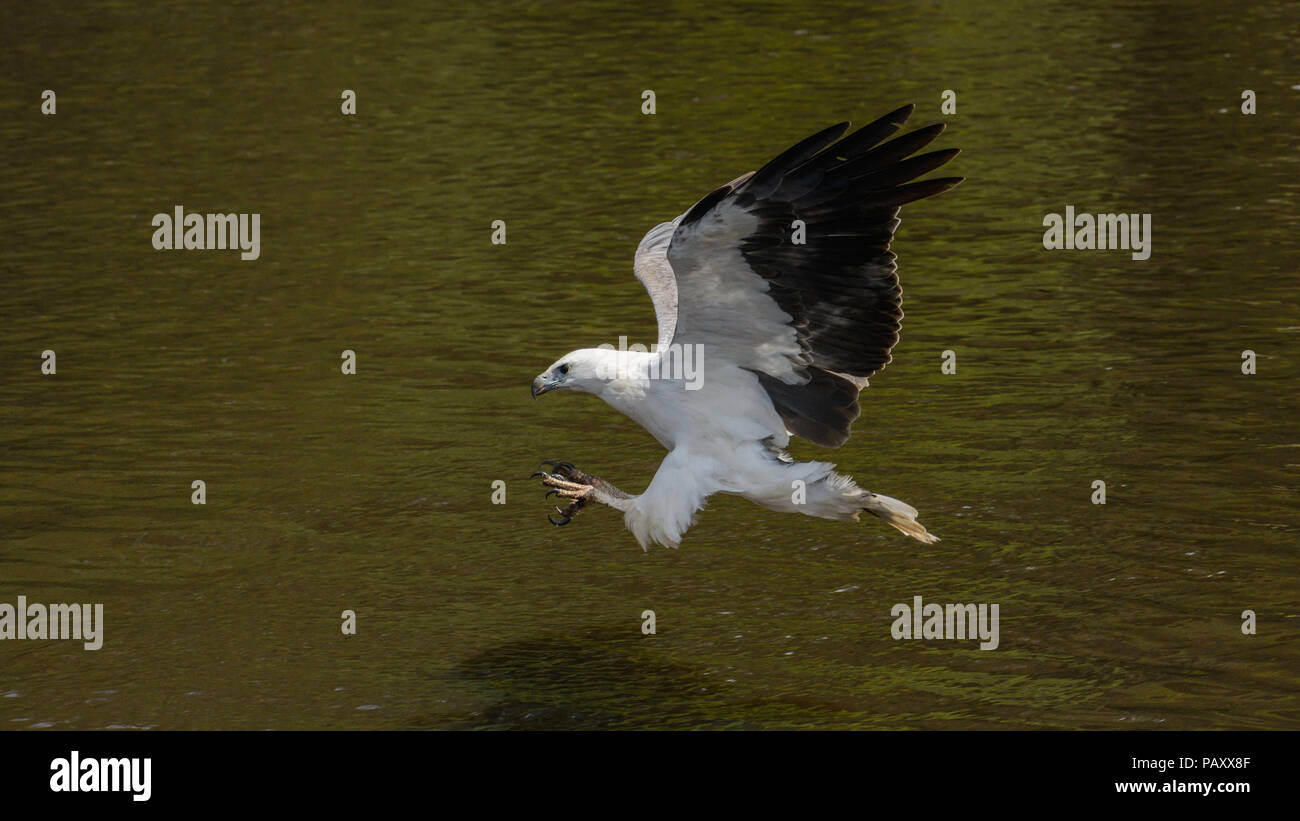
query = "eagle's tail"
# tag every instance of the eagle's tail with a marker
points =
(898, 514)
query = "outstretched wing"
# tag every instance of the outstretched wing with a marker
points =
(814, 319)
(652, 268)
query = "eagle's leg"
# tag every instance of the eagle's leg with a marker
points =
(567, 482)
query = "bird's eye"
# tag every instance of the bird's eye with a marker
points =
(563, 369)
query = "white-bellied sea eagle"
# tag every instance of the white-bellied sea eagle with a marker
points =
(781, 288)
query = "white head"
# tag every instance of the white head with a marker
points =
(587, 370)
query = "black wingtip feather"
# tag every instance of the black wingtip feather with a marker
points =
(767, 178)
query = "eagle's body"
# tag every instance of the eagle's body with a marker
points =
(782, 285)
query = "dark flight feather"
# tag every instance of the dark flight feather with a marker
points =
(841, 286)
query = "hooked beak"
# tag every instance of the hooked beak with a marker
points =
(543, 385)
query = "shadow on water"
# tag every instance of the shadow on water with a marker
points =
(601, 679)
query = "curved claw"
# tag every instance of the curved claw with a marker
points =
(562, 472)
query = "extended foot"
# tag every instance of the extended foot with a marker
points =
(567, 482)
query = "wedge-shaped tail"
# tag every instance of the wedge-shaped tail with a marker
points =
(898, 514)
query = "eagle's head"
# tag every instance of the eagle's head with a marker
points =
(587, 370)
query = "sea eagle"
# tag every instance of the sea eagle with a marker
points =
(782, 283)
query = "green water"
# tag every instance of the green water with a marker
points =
(372, 492)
